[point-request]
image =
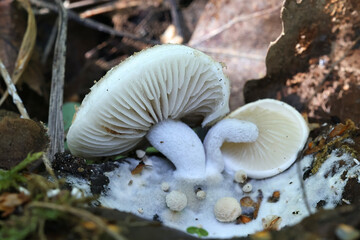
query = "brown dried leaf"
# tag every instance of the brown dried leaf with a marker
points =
(9, 202)
(313, 65)
(238, 33)
(12, 29)
(138, 169)
(271, 222)
(247, 202)
(24, 50)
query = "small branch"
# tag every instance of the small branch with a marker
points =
(79, 213)
(108, 7)
(93, 24)
(229, 24)
(12, 91)
(55, 122)
(175, 18)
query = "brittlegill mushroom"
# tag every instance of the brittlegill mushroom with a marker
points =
(153, 94)
(261, 138)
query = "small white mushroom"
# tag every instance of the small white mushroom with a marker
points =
(227, 209)
(201, 195)
(140, 153)
(261, 138)
(247, 188)
(240, 176)
(165, 186)
(176, 201)
(148, 96)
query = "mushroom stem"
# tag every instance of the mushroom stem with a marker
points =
(226, 130)
(180, 144)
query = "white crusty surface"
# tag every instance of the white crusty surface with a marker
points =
(283, 132)
(166, 81)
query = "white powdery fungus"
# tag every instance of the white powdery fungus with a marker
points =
(227, 209)
(291, 206)
(176, 201)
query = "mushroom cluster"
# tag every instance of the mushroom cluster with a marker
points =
(157, 95)
(154, 93)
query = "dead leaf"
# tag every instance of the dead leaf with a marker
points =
(238, 33)
(138, 169)
(25, 49)
(271, 222)
(9, 202)
(314, 65)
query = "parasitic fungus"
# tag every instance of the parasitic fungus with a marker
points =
(261, 138)
(150, 95)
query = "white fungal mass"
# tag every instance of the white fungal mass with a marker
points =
(173, 82)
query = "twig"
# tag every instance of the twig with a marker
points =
(108, 7)
(50, 43)
(83, 3)
(231, 53)
(12, 91)
(79, 213)
(93, 24)
(55, 122)
(175, 18)
(233, 21)
(305, 197)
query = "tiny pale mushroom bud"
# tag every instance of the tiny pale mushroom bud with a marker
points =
(247, 188)
(227, 209)
(176, 201)
(165, 186)
(140, 153)
(201, 195)
(240, 176)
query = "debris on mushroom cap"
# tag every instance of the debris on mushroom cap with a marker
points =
(227, 209)
(159, 83)
(240, 176)
(176, 201)
(283, 132)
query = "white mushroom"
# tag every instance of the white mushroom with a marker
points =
(247, 188)
(261, 138)
(176, 201)
(227, 209)
(148, 95)
(201, 194)
(240, 176)
(165, 186)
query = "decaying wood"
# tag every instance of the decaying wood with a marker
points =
(55, 122)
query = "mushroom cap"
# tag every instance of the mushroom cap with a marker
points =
(227, 209)
(176, 201)
(283, 132)
(163, 82)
